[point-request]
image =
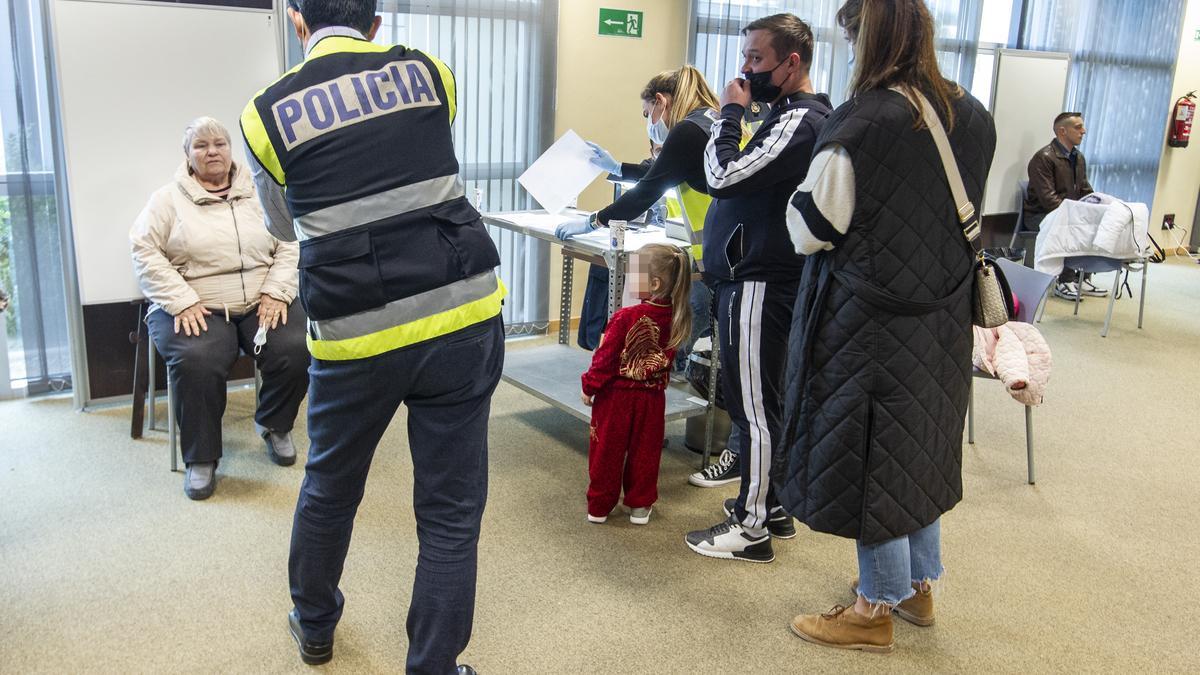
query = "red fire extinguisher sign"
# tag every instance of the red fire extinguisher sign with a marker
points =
(1181, 121)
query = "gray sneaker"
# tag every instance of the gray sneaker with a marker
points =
(640, 516)
(200, 480)
(280, 448)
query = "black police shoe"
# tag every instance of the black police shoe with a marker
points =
(466, 670)
(312, 653)
(780, 524)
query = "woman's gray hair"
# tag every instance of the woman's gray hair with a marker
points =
(203, 126)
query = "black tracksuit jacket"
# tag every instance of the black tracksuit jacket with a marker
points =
(745, 234)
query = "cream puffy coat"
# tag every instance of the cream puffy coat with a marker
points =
(189, 247)
(1014, 353)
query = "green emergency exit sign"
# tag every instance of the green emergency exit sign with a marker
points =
(620, 22)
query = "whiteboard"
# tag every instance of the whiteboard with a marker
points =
(1029, 89)
(131, 77)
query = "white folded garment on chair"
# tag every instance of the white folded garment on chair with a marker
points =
(1108, 228)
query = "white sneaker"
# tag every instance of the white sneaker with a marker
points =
(1066, 291)
(721, 472)
(728, 539)
(640, 516)
(599, 519)
(1088, 288)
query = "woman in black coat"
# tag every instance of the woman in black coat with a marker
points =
(880, 348)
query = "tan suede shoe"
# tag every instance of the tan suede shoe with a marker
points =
(844, 628)
(917, 610)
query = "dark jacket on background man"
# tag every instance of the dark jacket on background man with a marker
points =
(745, 234)
(1054, 175)
(879, 354)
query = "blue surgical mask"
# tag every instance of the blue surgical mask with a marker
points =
(657, 131)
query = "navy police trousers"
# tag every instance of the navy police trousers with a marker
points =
(447, 386)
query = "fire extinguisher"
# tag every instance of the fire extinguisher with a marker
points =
(1181, 121)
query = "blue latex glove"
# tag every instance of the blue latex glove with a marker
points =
(602, 160)
(657, 215)
(573, 226)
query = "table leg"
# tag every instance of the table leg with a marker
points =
(564, 312)
(1142, 296)
(616, 280)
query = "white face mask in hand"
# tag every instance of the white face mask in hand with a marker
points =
(260, 338)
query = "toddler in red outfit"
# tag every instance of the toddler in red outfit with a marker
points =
(626, 385)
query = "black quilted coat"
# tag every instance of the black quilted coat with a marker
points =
(877, 381)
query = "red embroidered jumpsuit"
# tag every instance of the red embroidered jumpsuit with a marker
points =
(628, 379)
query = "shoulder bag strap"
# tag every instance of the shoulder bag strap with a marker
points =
(966, 210)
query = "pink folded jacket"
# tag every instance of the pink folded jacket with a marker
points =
(1016, 354)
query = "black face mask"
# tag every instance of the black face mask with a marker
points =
(761, 88)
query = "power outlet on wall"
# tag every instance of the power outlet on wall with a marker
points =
(1168, 221)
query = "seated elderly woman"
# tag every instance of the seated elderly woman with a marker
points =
(214, 274)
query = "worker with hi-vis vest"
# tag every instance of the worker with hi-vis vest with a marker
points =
(397, 274)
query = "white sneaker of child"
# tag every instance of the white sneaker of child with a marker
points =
(599, 519)
(641, 515)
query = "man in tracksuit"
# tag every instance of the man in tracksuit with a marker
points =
(354, 157)
(753, 269)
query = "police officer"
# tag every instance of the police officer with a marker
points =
(355, 159)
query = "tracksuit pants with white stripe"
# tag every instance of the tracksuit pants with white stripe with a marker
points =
(754, 319)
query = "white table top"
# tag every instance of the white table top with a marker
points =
(542, 225)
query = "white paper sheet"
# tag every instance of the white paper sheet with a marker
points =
(556, 178)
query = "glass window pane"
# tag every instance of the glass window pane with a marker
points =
(997, 19)
(981, 86)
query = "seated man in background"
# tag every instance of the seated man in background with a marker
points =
(1058, 172)
(220, 281)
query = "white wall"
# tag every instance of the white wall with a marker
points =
(128, 92)
(1179, 168)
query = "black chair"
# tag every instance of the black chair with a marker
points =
(1019, 232)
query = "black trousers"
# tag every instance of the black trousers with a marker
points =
(754, 320)
(199, 366)
(447, 386)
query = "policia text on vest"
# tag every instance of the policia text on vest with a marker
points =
(350, 99)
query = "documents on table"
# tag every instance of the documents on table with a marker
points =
(556, 178)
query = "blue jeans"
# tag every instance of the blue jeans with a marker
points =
(887, 571)
(735, 440)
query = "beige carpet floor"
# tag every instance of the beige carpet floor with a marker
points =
(106, 567)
